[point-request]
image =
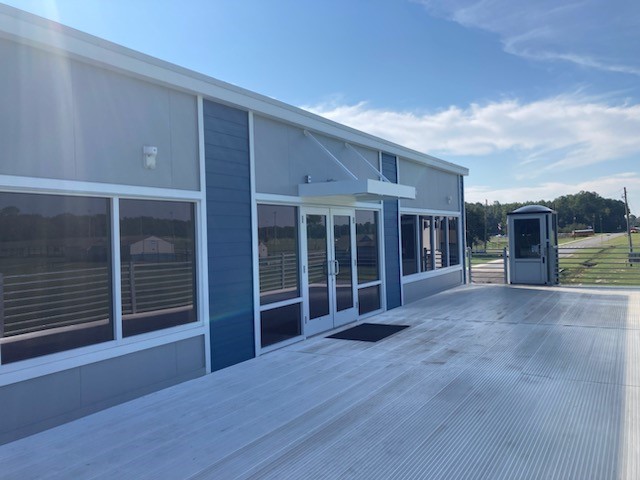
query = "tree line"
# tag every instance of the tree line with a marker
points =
(576, 211)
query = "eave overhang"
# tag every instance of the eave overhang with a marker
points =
(362, 190)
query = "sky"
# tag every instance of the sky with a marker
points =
(538, 98)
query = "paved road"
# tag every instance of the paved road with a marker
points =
(594, 241)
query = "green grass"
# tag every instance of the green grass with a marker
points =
(606, 264)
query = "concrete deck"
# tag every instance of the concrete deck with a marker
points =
(489, 382)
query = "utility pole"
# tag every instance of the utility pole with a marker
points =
(486, 206)
(626, 207)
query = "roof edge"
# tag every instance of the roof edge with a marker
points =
(27, 28)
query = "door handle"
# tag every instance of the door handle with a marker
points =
(336, 268)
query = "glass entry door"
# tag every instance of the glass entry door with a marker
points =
(329, 242)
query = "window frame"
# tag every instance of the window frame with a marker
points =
(417, 214)
(37, 366)
(381, 268)
(196, 266)
(259, 308)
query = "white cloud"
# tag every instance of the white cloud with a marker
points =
(559, 133)
(589, 33)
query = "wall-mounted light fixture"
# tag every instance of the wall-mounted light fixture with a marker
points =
(149, 157)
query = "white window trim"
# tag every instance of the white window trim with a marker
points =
(257, 307)
(299, 202)
(56, 362)
(416, 277)
(281, 303)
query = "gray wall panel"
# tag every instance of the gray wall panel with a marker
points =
(74, 121)
(391, 238)
(423, 288)
(433, 187)
(117, 376)
(37, 104)
(284, 156)
(185, 162)
(40, 403)
(190, 355)
(32, 401)
(229, 234)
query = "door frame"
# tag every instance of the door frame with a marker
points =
(524, 268)
(335, 318)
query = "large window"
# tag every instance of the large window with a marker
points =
(278, 261)
(440, 231)
(55, 274)
(454, 249)
(278, 253)
(57, 267)
(526, 232)
(409, 244)
(157, 261)
(428, 243)
(367, 247)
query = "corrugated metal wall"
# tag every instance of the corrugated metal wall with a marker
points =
(226, 133)
(391, 237)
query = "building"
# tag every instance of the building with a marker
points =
(157, 224)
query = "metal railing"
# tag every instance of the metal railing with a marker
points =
(32, 302)
(599, 265)
(38, 301)
(487, 266)
(278, 272)
(156, 286)
(605, 265)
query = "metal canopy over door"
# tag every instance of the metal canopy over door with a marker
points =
(329, 270)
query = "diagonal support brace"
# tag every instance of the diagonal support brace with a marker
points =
(331, 155)
(379, 173)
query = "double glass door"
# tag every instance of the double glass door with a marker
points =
(329, 272)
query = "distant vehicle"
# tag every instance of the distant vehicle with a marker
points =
(584, 232)
(633, 229)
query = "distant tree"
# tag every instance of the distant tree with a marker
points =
(575, 211)
(475, 223)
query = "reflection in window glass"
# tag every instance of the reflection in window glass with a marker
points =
(278, 253)
(454, 257)
(367, 245)
(369, 299)
(527, 237)
(318, 273)
(426, 244)
(280, 324)
(408, 237)
(55, 275)
(157, 253)
(440, 232)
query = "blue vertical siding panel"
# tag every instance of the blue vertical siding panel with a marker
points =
(391, 237)
(226, 137)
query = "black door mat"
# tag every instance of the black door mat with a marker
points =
(368, 332)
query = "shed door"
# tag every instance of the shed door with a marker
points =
(529, 264)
